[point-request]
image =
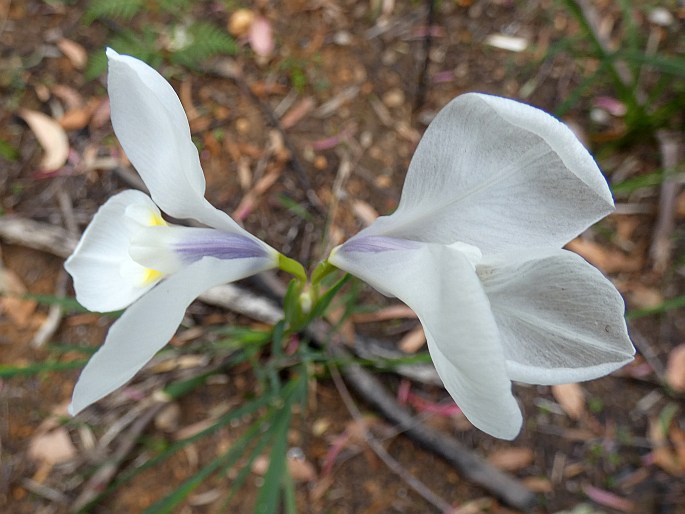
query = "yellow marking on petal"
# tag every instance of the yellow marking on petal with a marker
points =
(156, 221)
(151, 275)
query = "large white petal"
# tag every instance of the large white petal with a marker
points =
(560, 319)
(147, 325)
(497, 174)
(153, 129)
(102, 254)
(440, 285)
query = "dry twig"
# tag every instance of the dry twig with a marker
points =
(670, 147)
(394, 466)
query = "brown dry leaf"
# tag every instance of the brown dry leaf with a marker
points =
(571, 397)
(301, 470)
(662, 454)
(76, 119)
(70, 97)
(18, 309)
(250, 199)
(52, 447)
(298, 112)
(51, 137)
(608, 499)
(167, 420)
(538, 484)
(643, 297)
(675, 369)
(386, 313)
(100, 113)
(607, 260)
(260, 36)
(240, 22)
(74, 52)
(477, 506)
(364, 211)
(413, 341)
(678, 439)
(511, 459)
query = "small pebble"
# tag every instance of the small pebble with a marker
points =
(661, 16)
(394, 98)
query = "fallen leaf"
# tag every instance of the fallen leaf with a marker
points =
(74, 52)
(298, 112)
(413, 341)
(76, 119)
(538, 484)
(608, 499)
(643, 297)
(571, 398)
(364, 211)
(240, 22)
(477, 506)
(386, 313)
(677, 436)
(504, 42)
(51, 137)
(607, 260)
(167, 419)
(662, 455)
(52, 447)
(71, 98)
(260, 36)
(675, 369)
(511, 459)
(17, 308)
(250, 199)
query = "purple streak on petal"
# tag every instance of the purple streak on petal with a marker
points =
(207, 242)
(375, 244)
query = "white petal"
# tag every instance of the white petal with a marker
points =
(168, 248)
(497, 174)
(153, 129)
(102, 255)
(147, 325)
(561, 321)
(441, 286)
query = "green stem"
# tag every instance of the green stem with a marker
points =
(292, 266)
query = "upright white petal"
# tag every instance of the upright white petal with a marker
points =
(105, 277)
(439, 283)
(497, 174)
(560, 320)
(147, 325)
(153, 129)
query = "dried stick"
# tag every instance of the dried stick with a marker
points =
(39, 236)
(104, 475)
(660, 250)
(471, 466)
(394, 466)
(427, 44)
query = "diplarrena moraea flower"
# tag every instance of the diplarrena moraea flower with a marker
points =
(130, 257)
(493, 192)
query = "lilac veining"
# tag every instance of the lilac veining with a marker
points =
(376, 244)
(214, 243)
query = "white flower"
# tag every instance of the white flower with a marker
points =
(494, 191)
(130, 257)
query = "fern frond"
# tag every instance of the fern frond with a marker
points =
(115, 9)
(175, 6)
(205, 40)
